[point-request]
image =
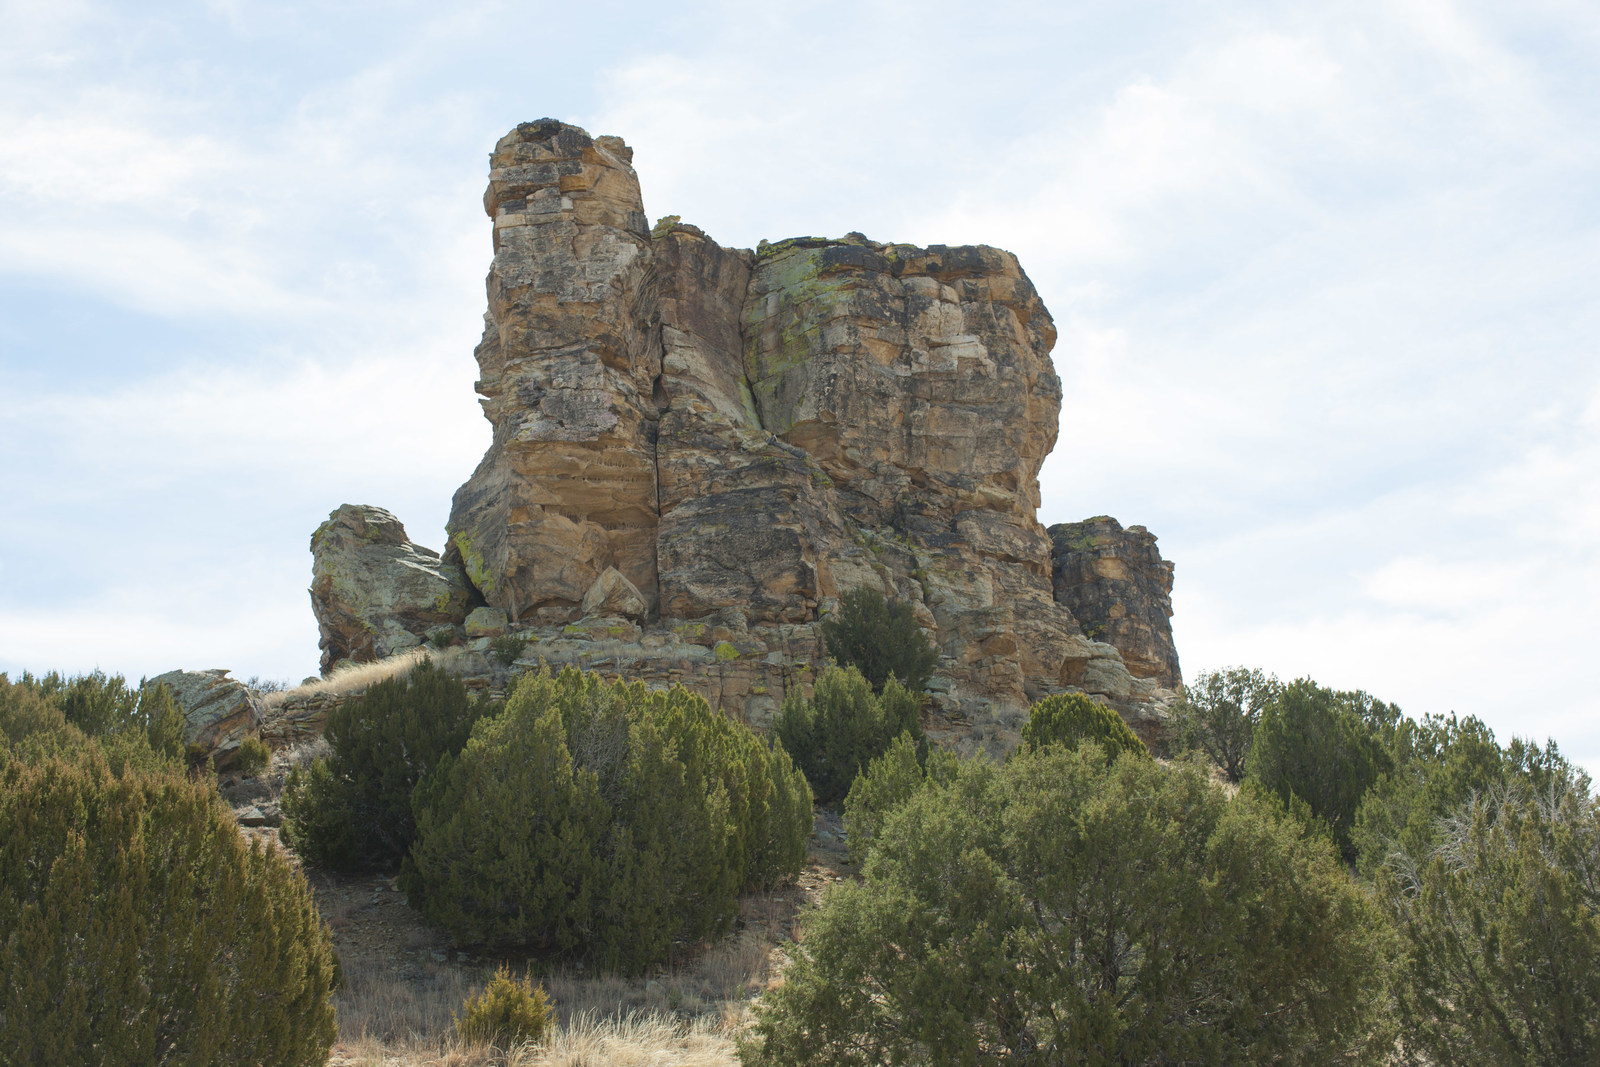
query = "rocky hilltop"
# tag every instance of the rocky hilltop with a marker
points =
(697, 450)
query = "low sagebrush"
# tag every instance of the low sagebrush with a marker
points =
(506, 1011)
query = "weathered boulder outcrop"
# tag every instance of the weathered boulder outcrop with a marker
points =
(1120, 589)
(218, 712)
(697, 450)
(374, 592)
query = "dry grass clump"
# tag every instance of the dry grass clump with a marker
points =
(405, 1020)
(402, 1016)
(353, 677)
(638, 1039)
(407, 1008)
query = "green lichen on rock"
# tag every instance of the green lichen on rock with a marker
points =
(751, 412)
(472, 560)
(725, 651)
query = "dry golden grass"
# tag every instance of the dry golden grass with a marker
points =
(353, 677)
(388, 1020)
(398, 1013)
(639, 1039)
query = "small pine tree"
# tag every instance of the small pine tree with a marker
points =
(98, 703)
(1069, 719)
(1314, 745)
(1502, 922)
(140, 729)
(352, 809)
(880, 639)
(843, 727)
(1217, 713)
(508, 1011)
(1057, 909)
(138, 926)
(888, 782)
(602, 820)
(252, 757)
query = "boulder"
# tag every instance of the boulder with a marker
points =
(218, 712)
(486, 622)
(612, 594)
(1120, 589)
(375, 592)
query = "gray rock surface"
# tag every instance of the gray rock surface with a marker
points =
(698, 450)
(218, 711)
(486, 622)
(613, 594)
(373, 591)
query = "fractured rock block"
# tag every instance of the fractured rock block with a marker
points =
(218, 712)
(373, 591)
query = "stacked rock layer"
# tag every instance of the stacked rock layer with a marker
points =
(698, 450)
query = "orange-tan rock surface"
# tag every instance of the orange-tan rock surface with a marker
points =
(698, 450)
(1118, 586)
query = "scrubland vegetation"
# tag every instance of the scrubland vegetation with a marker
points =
(1304, 876)
(136, 925)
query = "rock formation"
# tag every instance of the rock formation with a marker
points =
(218, 712)
(374, 592)
(697, 450)
(1120, 590)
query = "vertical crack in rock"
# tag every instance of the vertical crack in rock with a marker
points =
(716, 444)
(568, 487)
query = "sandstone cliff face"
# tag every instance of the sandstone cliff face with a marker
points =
(697, 450)
(568, 364)
(1120, 589)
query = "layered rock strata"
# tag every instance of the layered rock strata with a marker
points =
(1120, 590)
(697, 450)
(218, 712)
(700, 447)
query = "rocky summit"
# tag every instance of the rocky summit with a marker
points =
(698, 450)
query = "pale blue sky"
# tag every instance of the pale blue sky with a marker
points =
(1325, 276)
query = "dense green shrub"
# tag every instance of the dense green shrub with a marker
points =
(602, 820)
(31, 714)
(352, 809)
(1439, 763)
(1061, 910)
(506, 648)
(252, 757)
(137, 926)
(508, 1011)
(880, 639)
(138, 728)
(888, 782)
(843, 727)
(1069, 719)
(1502, 921)
(1216, 715)
(1488, 860)
(1318, 746)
